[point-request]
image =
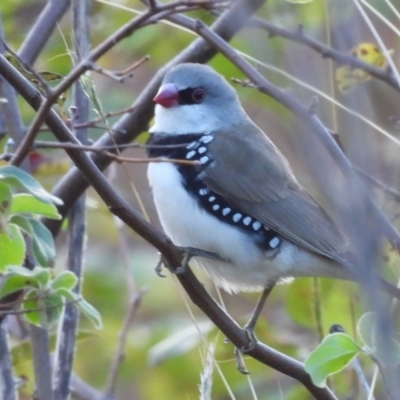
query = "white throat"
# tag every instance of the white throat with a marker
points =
(183, 119)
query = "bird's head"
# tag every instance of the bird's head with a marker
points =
(193, 99)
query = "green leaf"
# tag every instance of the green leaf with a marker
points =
(43, 244)
(331, 356)
(17, 177)
(42, 276)
(86, 308)
(39, 274)
(12, 283)
(42, 240)
(23, 223)
(28, 204)
(43, 311)
(66, 279)
(31, 303)
(12, 247)
(15, 281)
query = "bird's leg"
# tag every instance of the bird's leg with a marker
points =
(251, 323)
(249, 327)
(190, 252)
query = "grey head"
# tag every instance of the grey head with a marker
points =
(193, 97)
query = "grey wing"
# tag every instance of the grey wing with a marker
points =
(254, 176)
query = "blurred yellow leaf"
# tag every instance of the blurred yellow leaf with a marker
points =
(348, 77)
(43, 165)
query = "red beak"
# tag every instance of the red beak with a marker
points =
(167, 96)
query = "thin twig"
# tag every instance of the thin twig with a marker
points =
(134, 299)
(65, 349)
(12, 117)
(88, 124)
(119, 76)
(42, 29)
(375, 181)
(120, 352)
(149, 16)
(133, 67)
(299, 36)
(39, 144)
(36, 309)
(115, 157)
(80, 390)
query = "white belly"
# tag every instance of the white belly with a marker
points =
(188, 225)
(249, 269)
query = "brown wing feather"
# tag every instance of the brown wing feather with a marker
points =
(254, 176)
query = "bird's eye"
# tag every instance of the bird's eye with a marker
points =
(198, 95)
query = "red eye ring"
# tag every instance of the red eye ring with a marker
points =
(198, 95)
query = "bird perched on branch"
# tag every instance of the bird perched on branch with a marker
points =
(241, 199)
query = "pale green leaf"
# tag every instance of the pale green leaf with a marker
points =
(43, 244)
(28, 204)
(12, 283)
(66, 279)
(43, 312)
(23, 223)
(32, 308)
(333, 354)
(38, 277)
(42, 240)
(86, 308)
(17, 177)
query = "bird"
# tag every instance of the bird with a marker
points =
(239, 199)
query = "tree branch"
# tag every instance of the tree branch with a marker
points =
(41, 363)
(42, 29)
(298, 36)
(12, 117)
(149, 16)
(77, 217)
(7, 384)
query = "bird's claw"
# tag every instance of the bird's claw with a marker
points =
(239, 362)
(188, 253)
(250, 346)
(159, 266)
